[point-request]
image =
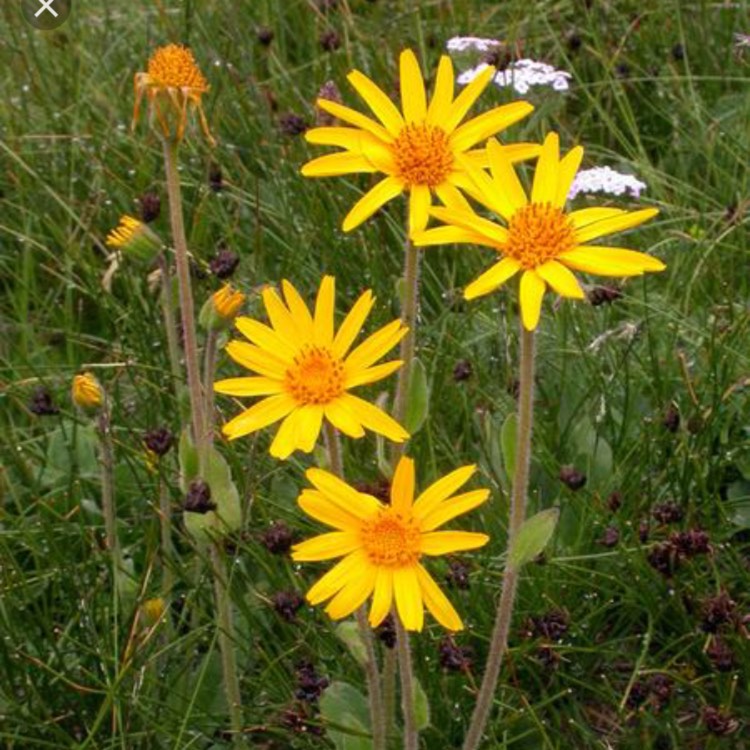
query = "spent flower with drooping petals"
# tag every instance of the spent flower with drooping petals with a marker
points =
(382, 544)
(605, 180)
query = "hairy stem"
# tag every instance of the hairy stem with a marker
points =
(499, 640)
(406, 672)
(209, 371)
(170, 326)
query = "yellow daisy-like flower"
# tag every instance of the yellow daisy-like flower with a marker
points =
(382, 545)
(87, 392)
(134, 238)
(417, 148)
(539, 240)
(173, 84)
(307, 371)
(221, 308)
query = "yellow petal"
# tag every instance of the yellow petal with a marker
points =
(615, 224)
(374, 347)
(419, 208)
(453, 507)
(491, 279)
(259, 415)
(377, 100)
(337, 413)
(330, 165)
(506, 179)
(248, 386)
(298, 310)
(371, 201)
(372, 374)
(585, 216)
(402, 486)
(326, 546)
(354, 118)
(473, 222)
(265, 337)
(442, 96)
(254, 358)
(309, 421)
(382, 598)
(452, 197)
(285, 441)
(566, 173)
(447, 542)
(352, 324)
(440, 490)
(375, 419)
(322, 509)
(610, 261)
(324, 306)
(353, 594)
(361, 505)
(282, 320)
(489, 192)
(408, 598)
(449, 235)
(413, 99)
(350, 139)
(436, 601)
(545, 177)
(531, 294)
(336, 577)
(560, 279)
(466, 99)
(488, 124)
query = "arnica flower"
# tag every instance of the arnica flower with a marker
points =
(306, 371)
(417, 148)
(222, 308)
(86, 392)
(383, 544)
(173, 84)
(134, 238)
(540, 241)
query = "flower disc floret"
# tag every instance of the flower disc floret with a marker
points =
(423, 155)
(391, 540)
(316, 377)
(174, 66)
(538, 233)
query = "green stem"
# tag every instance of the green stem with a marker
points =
(187, 308)
(372, 674)
(389, 690)
(499, 639)
(405, 669)
(209, 371)
(108, 492)
(226, 638)
(408, 343)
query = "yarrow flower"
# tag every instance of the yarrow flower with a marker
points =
(306, 371)
(383, 544)
(605, 180)
(87, 392)
(134, 238)
(479, 44)
(522, 75)
(417, 148)
(540, 240)
(173, 84)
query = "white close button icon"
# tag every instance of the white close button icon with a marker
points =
(46, 5)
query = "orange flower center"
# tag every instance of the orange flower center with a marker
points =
(316, 377)
(174, 66)
(390, 540)
(538, 232)
(423, 155)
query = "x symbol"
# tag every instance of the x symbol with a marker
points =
(46, 5)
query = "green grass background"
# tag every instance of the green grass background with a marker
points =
(658, 89)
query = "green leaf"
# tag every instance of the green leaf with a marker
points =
(533, 537)
(508, 443)
(347, 715)
(418, 398)
(348, 632)
(594, 452)
(188, 458)
(72, 448)
(421, 706)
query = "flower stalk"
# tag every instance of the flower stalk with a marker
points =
(499, 639)
(106, 458)
(406, 673)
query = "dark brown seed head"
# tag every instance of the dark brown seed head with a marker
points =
(462, 370)
(310, 685)
(330, 41)
(454, 658)
(386, 632)
(663, 557)
(150, 203)
(719, 722)
(41, 403)
(572, 478)
(224, 263)
(691, 542)
(614, 501)
(671, 420)
(458, 574)
(610, 537)
(287, 604)
(717, 611)
(215, 177)
(667, 512)
(159, 440)
(198, 499)
(292, 124)
(278, 538)
(721, 655)
(603, 295)
(265, 35)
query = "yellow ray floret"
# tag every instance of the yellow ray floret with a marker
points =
(306, 370)
(537, 237)
(382, 545)
(417, 148)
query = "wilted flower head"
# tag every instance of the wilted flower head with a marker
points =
(134, 238)
(605, 180)
(522, 75)
(173, 84)
(86, 392)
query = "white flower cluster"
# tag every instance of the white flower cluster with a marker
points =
(605, 180)
(522, 75)
(742, 40)
(463, 43)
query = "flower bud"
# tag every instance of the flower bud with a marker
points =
(222, 308)
(135, 239)
(87, 392)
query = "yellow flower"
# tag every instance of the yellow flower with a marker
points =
(382, 545)
(173, 84)
(153, 610)
(540, 240)
(222, 308)
(135, 238)
(417, 148)
(306, 371)
(86, 392)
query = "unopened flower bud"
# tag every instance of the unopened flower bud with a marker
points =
(87, 392)
(222, 308)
